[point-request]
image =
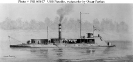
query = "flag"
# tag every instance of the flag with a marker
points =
(94, 28)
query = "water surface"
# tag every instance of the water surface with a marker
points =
(101, 54)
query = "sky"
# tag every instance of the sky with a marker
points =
(27, 12)
(116, 12)
(38, 12)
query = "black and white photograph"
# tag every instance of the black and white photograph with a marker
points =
(66, 32)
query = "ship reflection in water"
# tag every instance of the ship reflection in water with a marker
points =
(65, 54)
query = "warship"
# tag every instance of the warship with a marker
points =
(89, 41)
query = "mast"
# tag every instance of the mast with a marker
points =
(47, 32)
(80, 25)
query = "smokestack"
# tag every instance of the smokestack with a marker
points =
(59, 31)
(64, 10)
(61, 17)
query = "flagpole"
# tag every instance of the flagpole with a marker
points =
(93, 30)
(47, 32)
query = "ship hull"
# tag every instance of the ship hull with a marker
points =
(60, 46)
(83, 45)
(33, 46)
(20, 45)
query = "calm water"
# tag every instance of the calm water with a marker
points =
(122, 49)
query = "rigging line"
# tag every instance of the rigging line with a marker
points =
(13, 38)
(9, 40)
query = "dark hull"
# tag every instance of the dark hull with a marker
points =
(29, 46)
(32, 46)
(19, 46)
(108, 46)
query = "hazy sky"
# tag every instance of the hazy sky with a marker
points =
(116, 12)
